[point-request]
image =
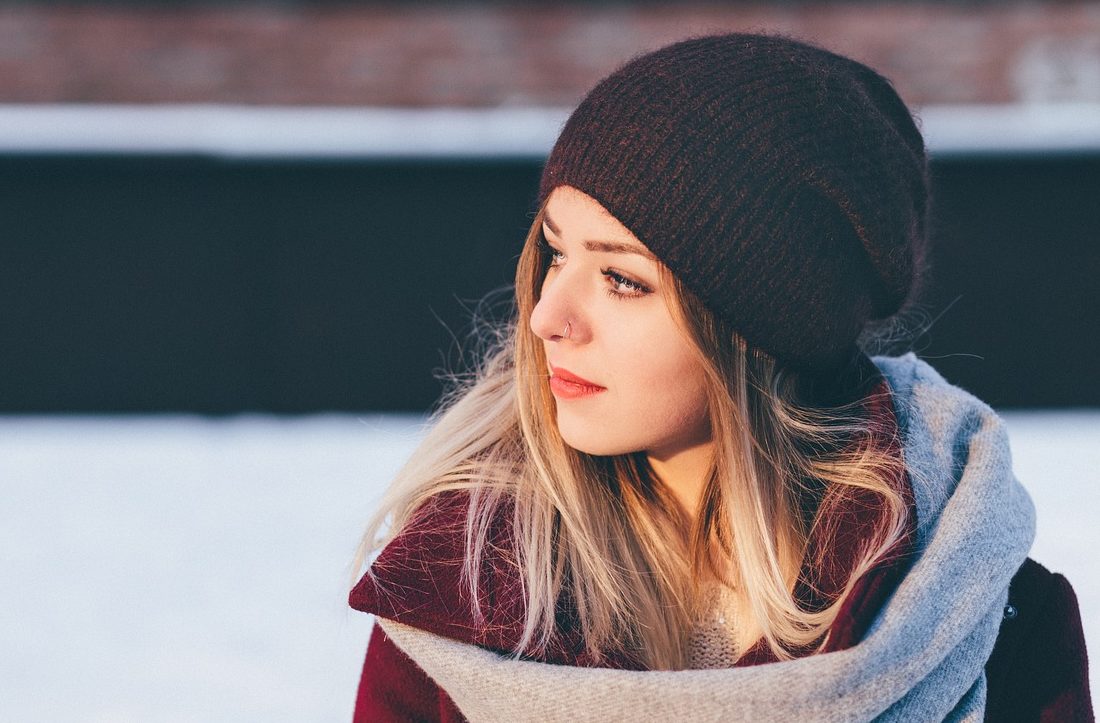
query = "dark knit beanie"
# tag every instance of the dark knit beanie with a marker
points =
(783, 184)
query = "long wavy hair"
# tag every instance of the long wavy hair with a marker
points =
(605, 532)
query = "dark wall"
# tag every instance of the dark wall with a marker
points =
(197, 284)
(1017, 279)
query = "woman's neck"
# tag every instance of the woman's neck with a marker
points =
(685, 473)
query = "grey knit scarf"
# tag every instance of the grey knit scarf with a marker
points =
(923, 658)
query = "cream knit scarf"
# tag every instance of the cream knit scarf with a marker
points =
(923, 658)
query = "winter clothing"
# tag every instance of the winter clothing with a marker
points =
(784, 184)
(921, 654)
(1039, 667)
(787, 187)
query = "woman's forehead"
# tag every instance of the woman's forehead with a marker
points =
(573, 213)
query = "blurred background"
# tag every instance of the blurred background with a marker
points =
(240, 240)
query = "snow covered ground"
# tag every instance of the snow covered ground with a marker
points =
(194, 569)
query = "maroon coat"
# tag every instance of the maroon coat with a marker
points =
(1038, 670)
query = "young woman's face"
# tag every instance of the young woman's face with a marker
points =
(622, 372)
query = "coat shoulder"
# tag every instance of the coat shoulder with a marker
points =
(1039, 667)
(420, 579)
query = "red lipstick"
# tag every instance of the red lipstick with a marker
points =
(566, 385)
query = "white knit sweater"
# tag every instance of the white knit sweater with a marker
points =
(713, 642)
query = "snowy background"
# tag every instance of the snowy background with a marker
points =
(196, 569)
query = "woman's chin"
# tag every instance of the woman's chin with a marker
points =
(596, 442)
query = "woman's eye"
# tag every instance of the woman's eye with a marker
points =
(551, 255)
(622, 287)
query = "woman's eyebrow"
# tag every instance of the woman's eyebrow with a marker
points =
(618, 247)
(609, 247)
(550, 223)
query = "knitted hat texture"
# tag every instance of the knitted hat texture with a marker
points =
(785, 185)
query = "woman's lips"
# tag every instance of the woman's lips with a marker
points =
(566, 385)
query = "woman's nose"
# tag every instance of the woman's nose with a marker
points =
(555, 317)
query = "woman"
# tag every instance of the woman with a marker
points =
(679, 478)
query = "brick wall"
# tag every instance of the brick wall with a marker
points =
(491, 54)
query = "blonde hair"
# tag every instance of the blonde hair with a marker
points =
(607, 533)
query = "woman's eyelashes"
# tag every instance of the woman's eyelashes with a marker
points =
(620, 285)
(623, 287)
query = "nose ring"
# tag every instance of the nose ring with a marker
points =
(568, 329)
